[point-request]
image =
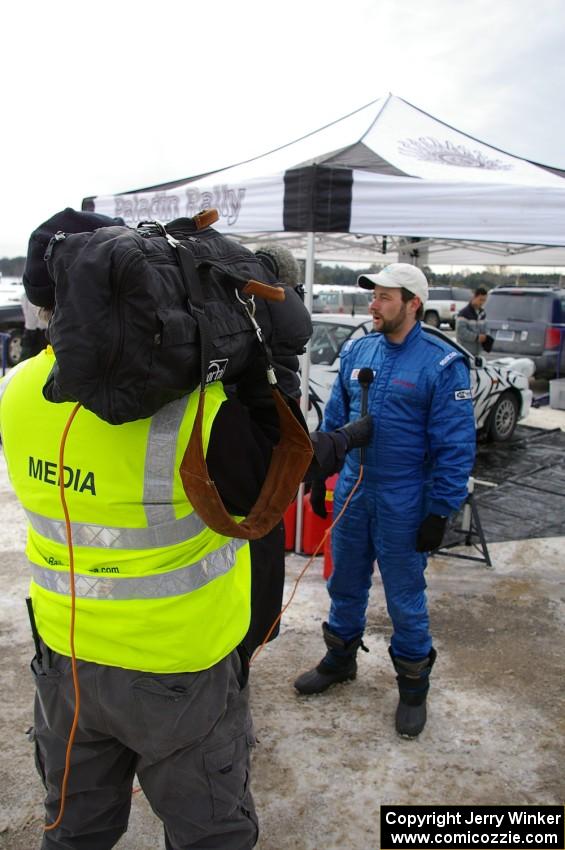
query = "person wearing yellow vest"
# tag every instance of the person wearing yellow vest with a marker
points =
(162, 609)
(162, 603)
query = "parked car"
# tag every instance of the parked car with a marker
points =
(349, 300)
(443, 304)
(12, 324)
(529, 321)
(501, 394)
(11, 318)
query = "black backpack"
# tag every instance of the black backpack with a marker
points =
(145, 315)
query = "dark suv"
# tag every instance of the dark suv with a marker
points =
(530, 322)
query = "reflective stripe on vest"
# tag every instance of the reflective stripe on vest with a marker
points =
(176, 583)
(112, 537)
(160, 463)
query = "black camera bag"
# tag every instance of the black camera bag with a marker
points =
(143, 316)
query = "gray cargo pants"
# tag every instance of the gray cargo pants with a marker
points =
(186, 735)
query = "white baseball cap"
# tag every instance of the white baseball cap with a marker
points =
(398, 275)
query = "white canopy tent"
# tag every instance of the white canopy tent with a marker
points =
(387, 181)
(370, 184)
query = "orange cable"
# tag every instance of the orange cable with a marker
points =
(72, 626)
(308, 563)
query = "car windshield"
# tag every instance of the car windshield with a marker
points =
(327, 341)
(329, 300)
(519, 306)
(333, 301)
(449, 293)
(363, 299)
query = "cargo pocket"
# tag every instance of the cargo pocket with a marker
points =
(167, 714)
(47, 691)
(227, 770)
(47, 698)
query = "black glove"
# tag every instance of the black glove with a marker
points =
(358, 433)
(318, 497)
(430, 533)
(488, 343)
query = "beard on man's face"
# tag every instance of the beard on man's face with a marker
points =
(390, 325)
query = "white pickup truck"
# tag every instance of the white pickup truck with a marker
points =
(443, 304)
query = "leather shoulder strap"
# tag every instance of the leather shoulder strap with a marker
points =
(290, 459)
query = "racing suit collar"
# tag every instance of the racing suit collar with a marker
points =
(407, 341)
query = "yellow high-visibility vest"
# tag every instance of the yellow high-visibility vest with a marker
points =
(156, 590)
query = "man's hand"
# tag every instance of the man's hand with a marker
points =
(358, 433)
(487, 342)
(331, 447)
(318, 497)
(430, 533)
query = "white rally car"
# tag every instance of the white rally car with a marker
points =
(501, 393)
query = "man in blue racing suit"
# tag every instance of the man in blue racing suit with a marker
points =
(415, 475)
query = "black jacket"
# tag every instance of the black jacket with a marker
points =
(238, 457)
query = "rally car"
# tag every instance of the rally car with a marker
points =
(501, 393)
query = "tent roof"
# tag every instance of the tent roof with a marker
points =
(387, 171)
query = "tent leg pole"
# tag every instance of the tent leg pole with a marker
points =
(305, 377)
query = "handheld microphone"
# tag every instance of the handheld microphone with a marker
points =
(365, 378)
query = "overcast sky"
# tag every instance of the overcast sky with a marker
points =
(104, 97)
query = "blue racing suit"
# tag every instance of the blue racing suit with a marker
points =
(418, 462)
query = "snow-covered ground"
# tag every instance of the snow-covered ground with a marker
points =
(323, 765)
(545, 417)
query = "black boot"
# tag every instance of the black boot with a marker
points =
(338, 665)
(413, 686)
